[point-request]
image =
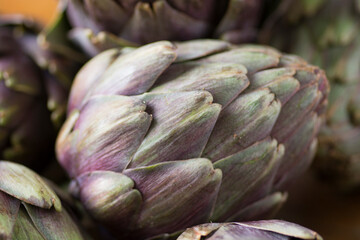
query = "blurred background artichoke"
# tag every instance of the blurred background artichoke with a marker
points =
(99, 25)
(327, 34)
(30, 208)
(149, 21)
(27, 133)
(35, 78)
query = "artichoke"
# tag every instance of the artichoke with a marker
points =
(127, 22)
(327, 33)
(34, 83)
(30, 209)
(168, 136)
(258, 230)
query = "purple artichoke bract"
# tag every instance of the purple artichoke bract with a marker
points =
(258, 230)
(34, 84)
(327, 33)
(99, 22)
(30, 208)
(168, 136)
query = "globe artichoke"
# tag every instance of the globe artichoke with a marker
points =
(169, 136)
(30, 209)
(99, 23)
(34, 83)
(259, 230)
(327, 33)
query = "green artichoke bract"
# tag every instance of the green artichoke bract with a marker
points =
(30, 209)
(258, 230)
(34, 83)
(168, 136)
(327, 33)
(135, 21)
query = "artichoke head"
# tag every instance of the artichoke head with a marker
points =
(34, 86)
(171, 135)
(99, 24)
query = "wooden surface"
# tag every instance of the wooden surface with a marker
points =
(321, 208)
(42, 10)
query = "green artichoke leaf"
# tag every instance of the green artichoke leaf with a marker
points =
(179, 119)
(234, 18)
(159, 20)
(106, 13)
(224, 81)
(105, 135)
(24, 80)
(136, 73)
(254, 58)
(308, 75)
(84, 80)
(265, 207)
(252, 115)
(109, 197)
(280, 81)
(300, 143)
(198, 232)
(288, 60)
(258, 163)
(198, 48)
(13, 106)
(79, 16)
(175, 194)
(94, 44)
(294, 111)
(25, 139)
(36, 192)
(53, 225)
(200, 9)
(24, 227)
(257, 230)
(9, 208)
(285, 228)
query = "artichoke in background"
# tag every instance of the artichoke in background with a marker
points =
(100, 24)
(259, 230)
(30, 209)
(34, 84)
(327, 33)
(168, 136)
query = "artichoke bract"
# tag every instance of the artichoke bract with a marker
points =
(327, 33)
(30, 209)
(258, 230)
(124, 22)
(34, 83)
(168, 136)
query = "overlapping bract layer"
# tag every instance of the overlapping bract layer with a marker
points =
(168, 136)
(259, 230)
(34, 83)
(327, 33)
(29, 207)
(149, 21)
